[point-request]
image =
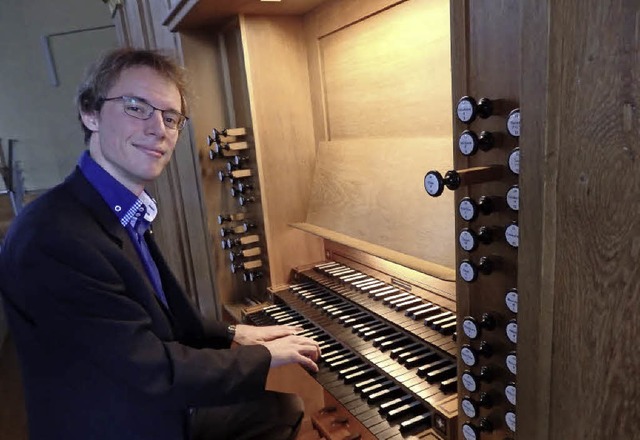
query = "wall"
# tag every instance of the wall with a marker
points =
(39, 115)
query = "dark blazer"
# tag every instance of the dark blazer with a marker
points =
(101, 357)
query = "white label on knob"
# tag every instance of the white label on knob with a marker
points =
(514, 161)
(512, 332)
(466, 241)
(468, 356)
(511, 234)
(510, 420)
(470, 328)
(513, 198)
(510, 393)
(466, 144)
(469, 433)
(469, 382)
(513, 123)
(431, 184)
(467, 271)
(512, 363)
(469, 408)
(464, 110)
(466, 209)
(511, 299)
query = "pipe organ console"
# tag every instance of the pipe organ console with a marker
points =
(413, 298)
(379, 169)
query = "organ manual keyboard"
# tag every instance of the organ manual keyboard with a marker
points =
(388, 343)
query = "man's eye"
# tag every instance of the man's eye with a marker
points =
(134, 108)
(170, 118)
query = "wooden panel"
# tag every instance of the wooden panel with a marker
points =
(328, 18)
(486, 63)
(372, 190)
(278, 83)
(536, 260)
(334, 15)
(201, 53)
(293, 378)
(189, 14)
(592, 132)
(389, 75)
(365, 252)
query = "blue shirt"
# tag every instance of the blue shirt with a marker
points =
(134, 213)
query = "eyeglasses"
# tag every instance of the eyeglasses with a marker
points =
(141, 109)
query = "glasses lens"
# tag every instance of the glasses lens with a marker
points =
(143, 110)
(137, 109)
(173, 119)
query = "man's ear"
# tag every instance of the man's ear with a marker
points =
(90, 120)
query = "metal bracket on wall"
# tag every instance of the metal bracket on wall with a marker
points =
(48, 54)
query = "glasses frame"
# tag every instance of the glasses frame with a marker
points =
(125, 98)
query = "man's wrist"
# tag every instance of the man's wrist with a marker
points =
(231, 332)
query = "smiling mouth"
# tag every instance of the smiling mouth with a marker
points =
(151, 151)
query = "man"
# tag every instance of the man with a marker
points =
(110, 346)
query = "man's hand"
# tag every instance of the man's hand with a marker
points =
(294, 349)
(285, 347)
(252, 335)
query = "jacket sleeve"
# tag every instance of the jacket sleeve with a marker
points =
(80, 305)
(199, 331)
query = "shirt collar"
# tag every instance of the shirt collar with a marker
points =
(132, 211)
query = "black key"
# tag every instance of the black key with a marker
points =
(411, 310)
(426, 312)
(377, 333)
(369, 287)
(422, 350)
(384, 394)
(449, 385)
(396, 296)
(408, 303)
(376, 326)
(417, 423)
(330, 346)
(364, 282)
(441, 373)
(345, 362)
(337, 352)
(430, 319)
(421, 359)
(359, 386)
(389, 336)
(385, 407)
(383, 294)
(423, 370)
(398, 351)
(436, 324)
(343, 318)
(351, 369)
(407, 409)
(389, 344)
(359, 375)
(392, 303)
(448, 329)
(374, 387)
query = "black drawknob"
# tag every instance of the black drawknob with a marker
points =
(468, 109)
(245, 200)
(469, 142)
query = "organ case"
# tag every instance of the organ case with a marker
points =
(347, 108)
(577, 253)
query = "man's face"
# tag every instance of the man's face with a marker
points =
(132, 150)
